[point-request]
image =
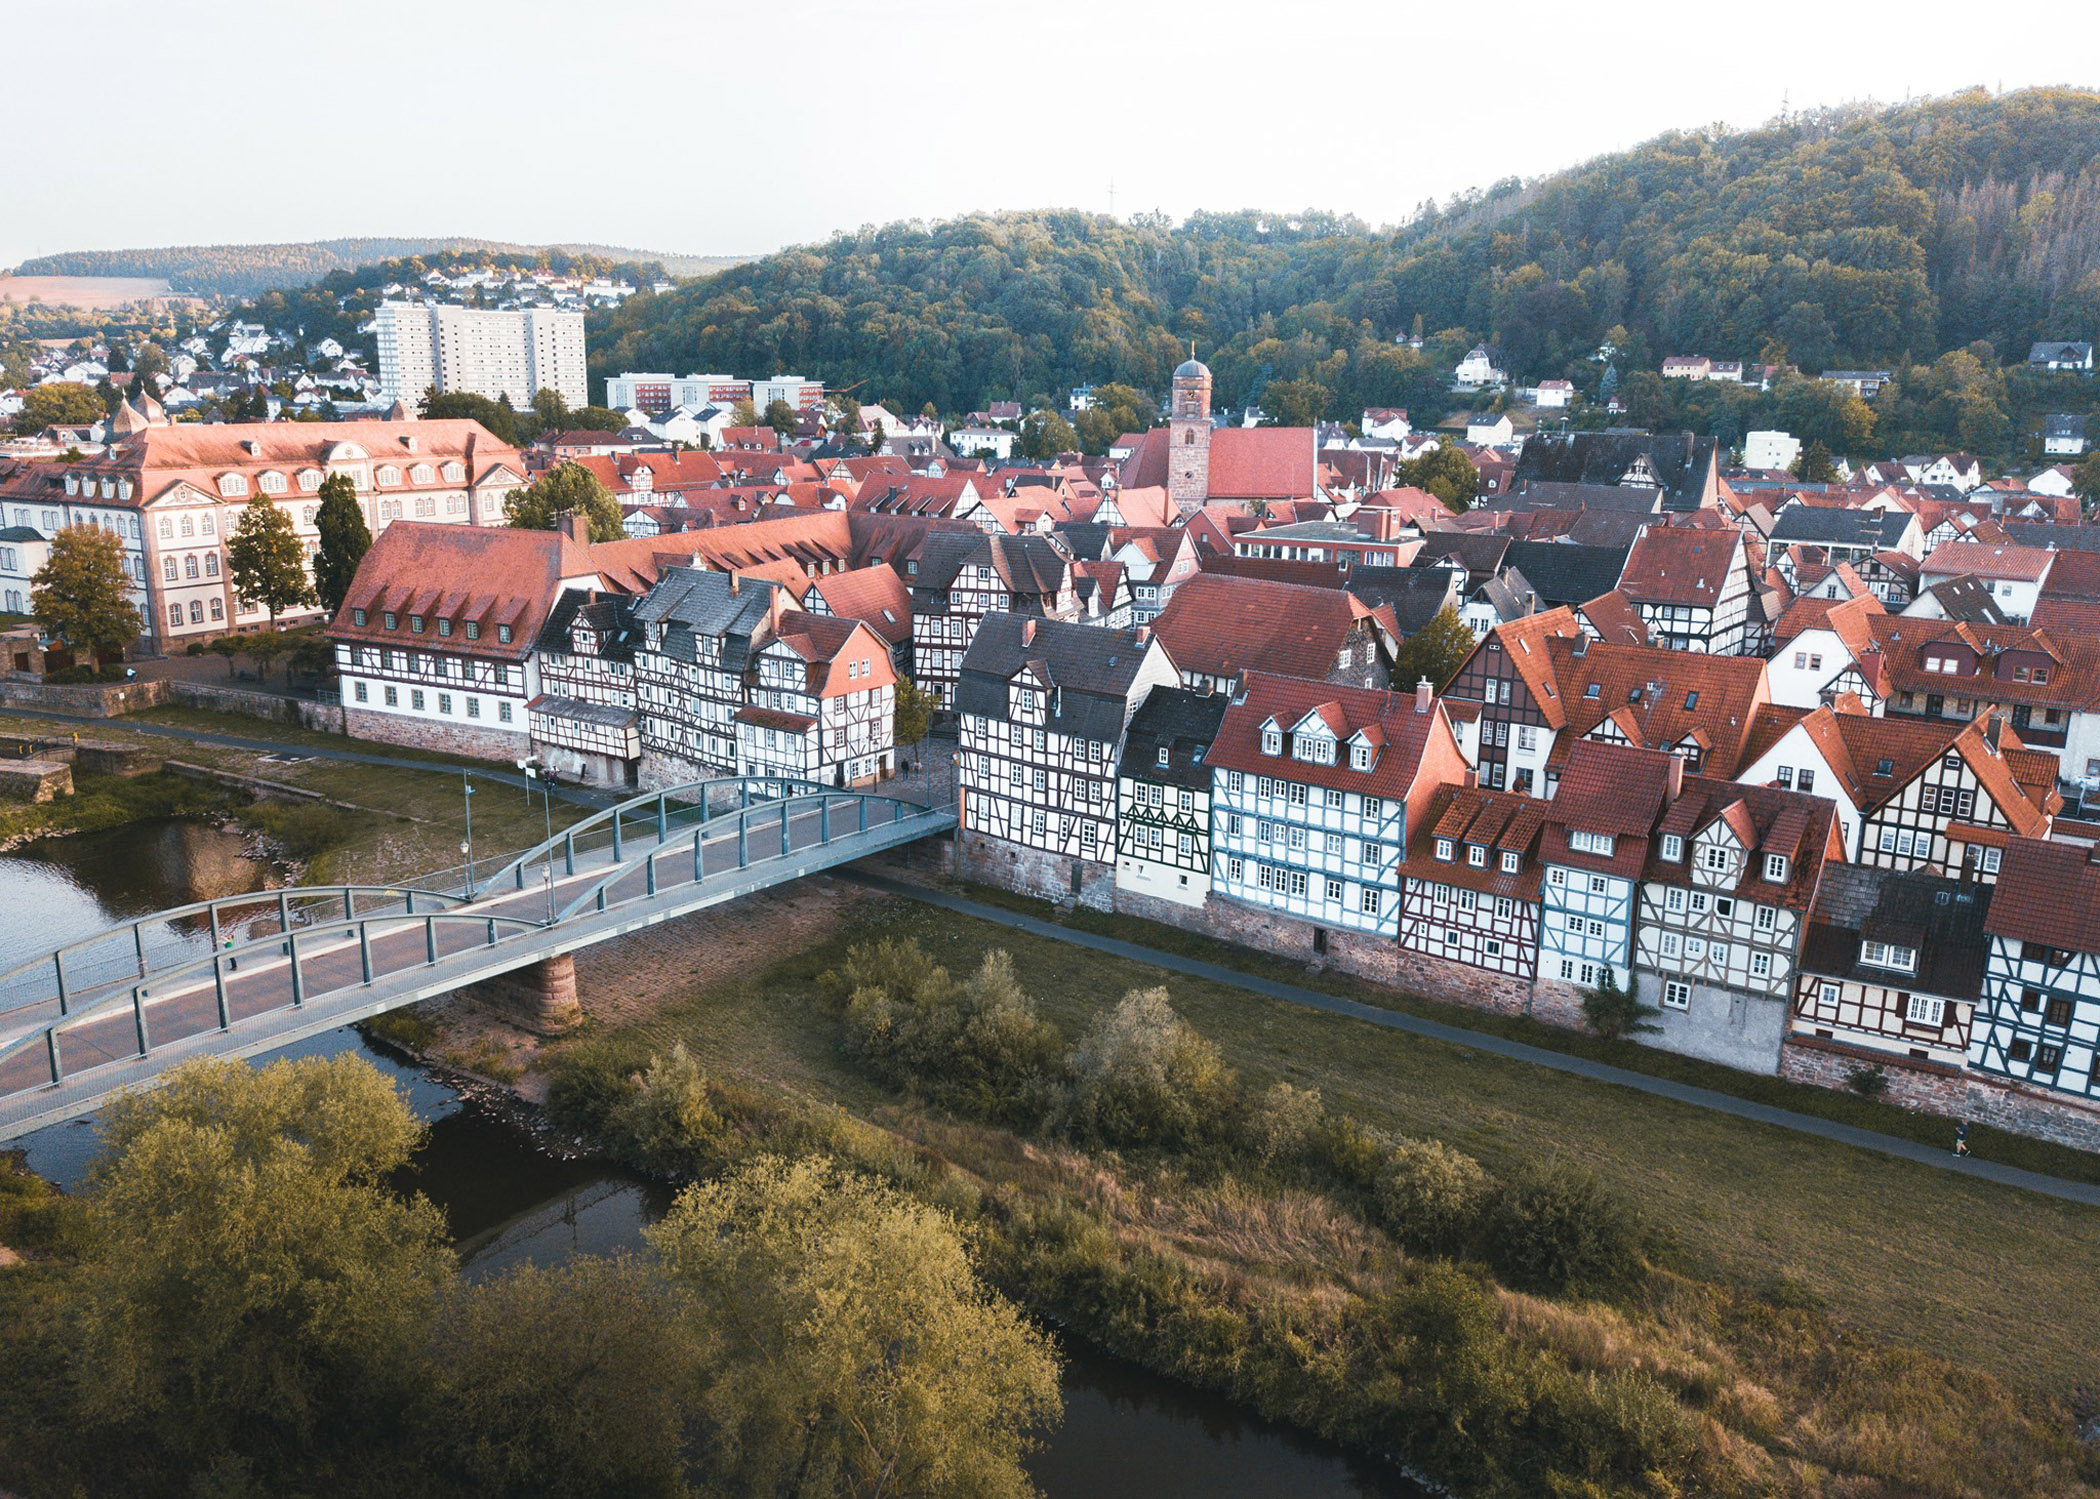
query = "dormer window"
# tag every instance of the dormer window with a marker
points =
(1359, 757)
(503, 634)
(1775, 868)
(357, 616)
(1271, 740)
(1476, 855)
(444, 627)
(415, 624)
(1444, 850)
(392, 620)
(455, 473)
(473, 629)
(1889, 955)
(1600, 844)
(1162, 755)
(1672, 849)
(1509, 861)
(1717, 858)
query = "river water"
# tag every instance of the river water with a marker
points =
(1126, 1432)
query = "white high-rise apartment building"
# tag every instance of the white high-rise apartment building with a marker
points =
(501, 355)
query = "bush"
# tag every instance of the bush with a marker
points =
(1283, 1123)
(302, 830)
(1431, 1196)
(1558, 1228)
(1351, 1151)
(1143, 1076)
(1867, 1082)
(1615, 1013)
(589, 1084)
(665, 1122)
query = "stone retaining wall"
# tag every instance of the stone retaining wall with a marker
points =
(1950, 1092)
(34, 780)
(85, 701)
(431, 734)
(305, 712)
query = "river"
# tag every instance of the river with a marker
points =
(1126, 1432)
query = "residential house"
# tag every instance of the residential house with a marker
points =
(2045, 678)
(2075, 358)
(1691, 588)
(1385, 423)
(585, 721)
(2063, 436)
(1042, 706)
(1892, 967)
(1470, 895)
(1163, 785)
(2038, 1023)
(1219, 628)
(1684, 466)
(1593, 848)
(2016, 575)
(1553, 395)
(1489, 429)
(1825, 648)
(700, 631)
(959, 579)
(1315, 788)
(819, 702)
(1478, 369)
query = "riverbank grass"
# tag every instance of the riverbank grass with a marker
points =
(1945, 1264)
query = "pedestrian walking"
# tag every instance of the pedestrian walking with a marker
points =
(1961, 1138)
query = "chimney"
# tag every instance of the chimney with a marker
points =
(1990, 731)
(1425, 696)
(1028, 630)
(1676, 782)
(577, 527)
(1144, 634)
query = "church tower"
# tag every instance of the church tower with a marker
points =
(1188, 430)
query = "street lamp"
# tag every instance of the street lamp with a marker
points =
(534, 772)
(467, 847)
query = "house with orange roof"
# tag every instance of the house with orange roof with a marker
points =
(1691, 587)
(2015, 575)
(1824, 647)
(1219, 628)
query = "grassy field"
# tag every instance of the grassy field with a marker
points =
(1985, 1275)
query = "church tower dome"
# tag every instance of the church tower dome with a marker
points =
(1188, 431)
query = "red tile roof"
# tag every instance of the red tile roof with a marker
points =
(1223, 626)
(1984, 560)
(1679, 565)
(489, 575)
(1415, 751)
(2047, 893)
(874, 595)
(1499, 820)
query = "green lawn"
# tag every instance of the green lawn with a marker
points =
(1985, 1275)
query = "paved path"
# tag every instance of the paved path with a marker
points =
(582, 796)
(1705, 1098)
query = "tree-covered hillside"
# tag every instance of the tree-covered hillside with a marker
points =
(248, 270)
(1837, 238)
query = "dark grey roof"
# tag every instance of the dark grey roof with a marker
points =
(690, 603)
(1561, 572)
(1415, 593)
(1184, 723)
(612, 618)
(21, 533)
(1943, 919)
(2029, 533)
(1681, 462)
(1826, 525)
(1087, 669)
(1968, 597)
(606, 715)
(1086, 540)
(1476, 551)
(1551, 494)
(2060, 425)
(2046, 351)
(1510, 595)
(1030, 566)
(1607, 528)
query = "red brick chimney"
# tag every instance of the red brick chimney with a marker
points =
(1676, 783)
(1028, 630)
(577, 527)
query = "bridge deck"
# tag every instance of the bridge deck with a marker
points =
(256, 997)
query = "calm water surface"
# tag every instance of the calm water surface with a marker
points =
(1127, 1434)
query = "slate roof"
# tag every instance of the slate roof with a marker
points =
(1184, 723)
(612, 618)
(1942, 919)
(1478, 552)
(1563, 573)
(1413, 594)
(690, 603)
(1826, 525)
(1551, 494)
(1087, 670)
(1681, 462)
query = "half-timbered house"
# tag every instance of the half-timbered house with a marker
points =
(1593, 849)
(1220, 627)
(2039, 1020)
(1893, 965)
(434, 642)
(1731, 876)
(1910, 794)
(1163, 797)
(699, 632)
(1314, 788)
(1041, 707)
(819, 702)
(1825, 647)
(585, 721)
(957, 579)
(1515, 710)
(1690, 586)
(1470, 887)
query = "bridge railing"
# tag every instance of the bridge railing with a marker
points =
(117, 955)
(223, 963)
(659, 815)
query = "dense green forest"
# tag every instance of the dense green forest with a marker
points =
(1835, 238)
(248, 270)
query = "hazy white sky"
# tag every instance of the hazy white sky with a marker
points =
(681, 125)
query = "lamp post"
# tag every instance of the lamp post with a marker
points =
(533, 769)
(467, 847)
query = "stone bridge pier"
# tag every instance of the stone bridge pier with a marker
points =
(540, 997)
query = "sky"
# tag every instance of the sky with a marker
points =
(700, 128)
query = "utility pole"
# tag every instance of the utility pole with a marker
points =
(467, 848)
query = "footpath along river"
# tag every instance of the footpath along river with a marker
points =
(1127, 1433)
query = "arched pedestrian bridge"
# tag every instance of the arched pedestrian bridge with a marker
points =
(250, 973)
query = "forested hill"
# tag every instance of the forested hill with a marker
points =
(1838, 238)
(248, 270)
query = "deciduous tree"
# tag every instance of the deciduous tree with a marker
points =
(58, 404)
(265, 560)
(565, 489)
(81, 593)
(847, 1345)
(1435, 651)
(1045, 434)
(913, 713)
(345, 538)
